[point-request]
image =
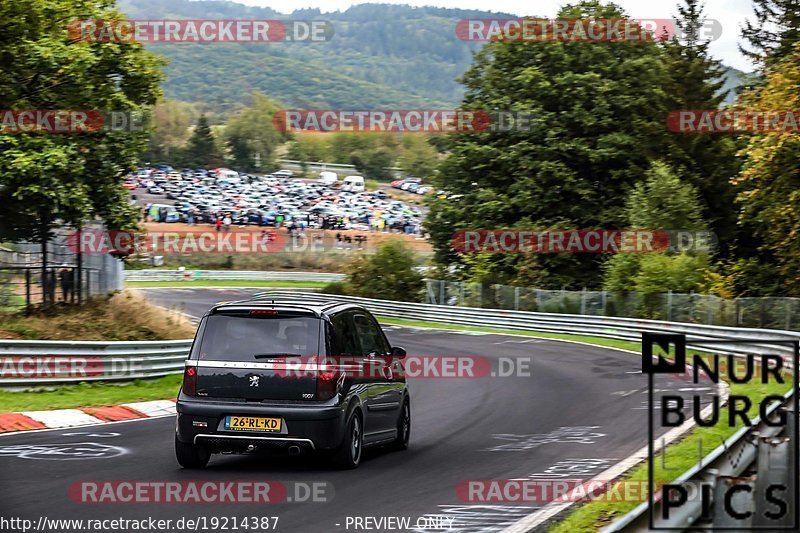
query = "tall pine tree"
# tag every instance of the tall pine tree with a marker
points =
(201, 150)
(693, 80)
(774, 31)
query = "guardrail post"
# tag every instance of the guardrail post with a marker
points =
(710, 310)
(27, 289)
(583, 301)
(788, 315)
(789, 432)
(772, 469)
(669, 305)
(741, 501)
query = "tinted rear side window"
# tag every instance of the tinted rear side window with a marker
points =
(242, 337)
(343, 335)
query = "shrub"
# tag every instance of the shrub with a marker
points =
(388, 274)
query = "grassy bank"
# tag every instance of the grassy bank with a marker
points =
(125, 316)
(278, 284)
(678, 458)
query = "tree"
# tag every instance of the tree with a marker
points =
(310, 147)
(75, 176)
(769, 183)
(592, 139)
(774, 32)
(662, 202)
(251, 136)
(373, 163)
(388, 274)
(693, 80)
(418, 156)
(201, 150)
(171, 129)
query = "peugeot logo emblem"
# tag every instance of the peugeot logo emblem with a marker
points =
(254, 381)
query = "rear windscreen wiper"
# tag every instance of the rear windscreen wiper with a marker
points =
(282, 354)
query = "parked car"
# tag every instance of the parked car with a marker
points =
(242, 391)
(353, 184)
(328, 178)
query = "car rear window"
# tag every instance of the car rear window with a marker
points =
(243, 337)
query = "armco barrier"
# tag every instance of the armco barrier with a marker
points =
(38, 363)
(187, 275)
(160, 358)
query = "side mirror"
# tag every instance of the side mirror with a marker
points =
(398, 352)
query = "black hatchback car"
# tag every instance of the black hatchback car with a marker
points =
(293, 377)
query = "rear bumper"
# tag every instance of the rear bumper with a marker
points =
(312, 427)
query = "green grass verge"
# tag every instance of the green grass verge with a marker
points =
(91, 394)
(229, 283)
(598, 341)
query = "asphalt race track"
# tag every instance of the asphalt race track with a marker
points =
(580, 410)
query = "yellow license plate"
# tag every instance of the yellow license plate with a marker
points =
(252, 423)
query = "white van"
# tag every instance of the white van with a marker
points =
(231, 176)
(353, 184)
(328, 178)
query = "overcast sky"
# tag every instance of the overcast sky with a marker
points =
(730, 13)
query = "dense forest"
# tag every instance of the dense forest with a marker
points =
(380, 56)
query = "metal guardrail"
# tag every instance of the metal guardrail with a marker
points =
(38, 363)
(629, 329)
(761, 448)
(187, 275)
(161, 358)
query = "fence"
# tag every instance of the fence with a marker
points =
(769, 313)
(24, 283)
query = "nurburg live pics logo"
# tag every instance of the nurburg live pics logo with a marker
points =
(772, 503)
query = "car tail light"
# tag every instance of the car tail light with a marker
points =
(190, 381)
(327, 381)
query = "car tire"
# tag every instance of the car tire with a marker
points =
(403, 427)
(190, 455)
(347, 455)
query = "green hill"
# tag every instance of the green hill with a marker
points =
(381, 57)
